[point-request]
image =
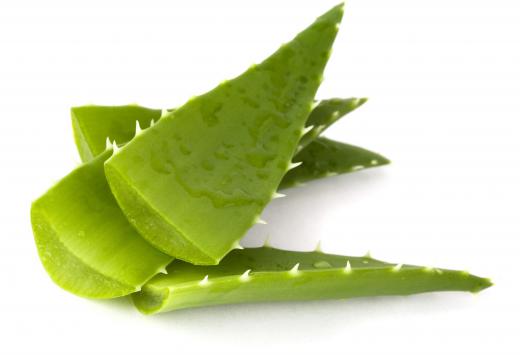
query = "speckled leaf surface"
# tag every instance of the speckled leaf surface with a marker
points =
(92, 125)
(194, 183)
(267, 274)
(84, 240)
(324, 157)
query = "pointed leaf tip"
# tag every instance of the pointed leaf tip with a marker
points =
(362, 100)
(335, 14)
(482, 284)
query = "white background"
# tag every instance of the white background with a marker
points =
(443, 80)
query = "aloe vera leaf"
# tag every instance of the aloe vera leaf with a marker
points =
(267, 274)
(325, 114)
(93, 124)
(195, 182)
(324, 157)
(321, 159)
(84, 240)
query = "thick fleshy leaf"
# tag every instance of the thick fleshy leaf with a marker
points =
(267, 274)
(195, 182)
(93, 124)
(84, 240)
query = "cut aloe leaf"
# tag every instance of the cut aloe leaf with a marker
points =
(92, 125)
(320, 160)
(324, 157)
(195, 182)
(84, 240)
(267, 274)
(325, 114)
(60, 240)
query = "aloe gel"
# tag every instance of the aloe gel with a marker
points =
(84, 240)
(93, 125)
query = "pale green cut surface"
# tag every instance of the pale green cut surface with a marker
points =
(92, 125)
(85, 242)
(194, 183)
(267, 274)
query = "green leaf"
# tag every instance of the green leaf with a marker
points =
(319, 160)
(324, 157)
(85, 242)
(325, 114)
(92, 125)
(194, 183)
(267, 274)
